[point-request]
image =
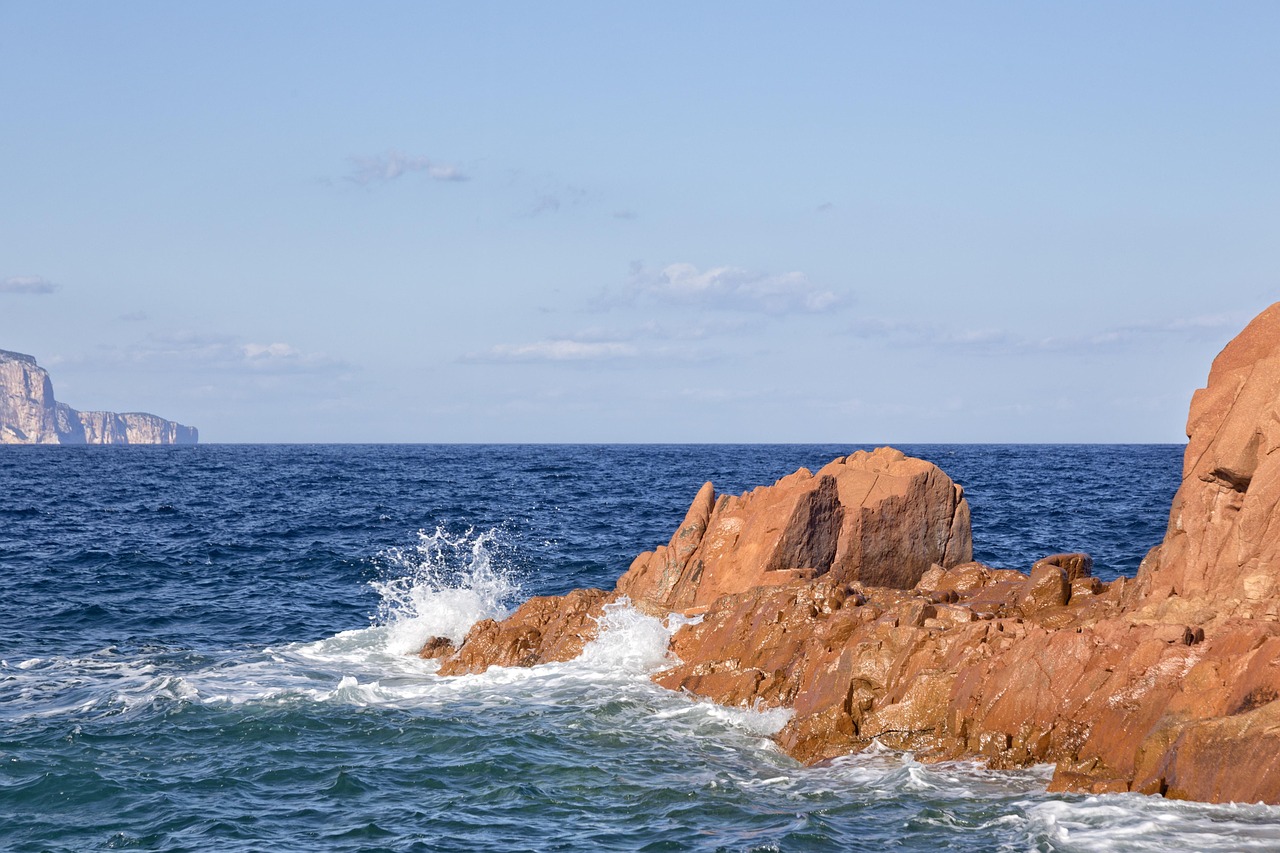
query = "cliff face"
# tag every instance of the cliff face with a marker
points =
(133, 428)
(810, 595)
(29, 414)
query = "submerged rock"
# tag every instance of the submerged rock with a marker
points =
(29, 414)
(849, 597)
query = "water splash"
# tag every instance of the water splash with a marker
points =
(441, 587)
(629, 643)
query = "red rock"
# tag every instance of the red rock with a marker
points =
(437, 647)
(848, 597)
(1047, 587)
(882, 518)
(1221, 555)
(543, 629)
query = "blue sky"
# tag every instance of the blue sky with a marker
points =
(846, 222)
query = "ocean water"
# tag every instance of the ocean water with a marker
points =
(204, 648)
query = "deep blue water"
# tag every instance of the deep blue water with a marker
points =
(202, 649)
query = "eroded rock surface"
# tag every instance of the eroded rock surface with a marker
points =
(849, 597)
(29, 414)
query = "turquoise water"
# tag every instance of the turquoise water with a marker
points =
(205, 649)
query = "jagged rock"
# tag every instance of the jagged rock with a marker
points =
(542, 630)
(881, 518)
(29, 414)
(1221, 554)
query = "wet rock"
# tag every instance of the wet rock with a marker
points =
(542, 630)
(437, 647)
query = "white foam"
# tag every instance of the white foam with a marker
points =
(629, 642)
(101, 682)
(1134, 822)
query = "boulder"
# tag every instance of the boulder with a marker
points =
(880, 517)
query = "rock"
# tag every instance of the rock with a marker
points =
(1047, 587)
(437, 647)
(1075, 565)
(542, 630)
(133, 428)
(881, 518)
(849, 597)
(29, 414)
(1221, 554)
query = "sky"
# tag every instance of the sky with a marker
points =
(648, 222)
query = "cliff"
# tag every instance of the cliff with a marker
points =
(849, 598)
(29, 414)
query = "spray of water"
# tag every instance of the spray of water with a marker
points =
(441, 587)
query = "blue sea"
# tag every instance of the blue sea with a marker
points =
(209, 648)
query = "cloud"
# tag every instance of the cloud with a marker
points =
(725, 287)
(556, 350)
(214, 353)
(266, 352)
(382, 168)
(27, 284)
(133, 316)
(1004, 342)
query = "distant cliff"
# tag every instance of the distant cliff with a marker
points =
(29, 414)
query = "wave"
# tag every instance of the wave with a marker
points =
(1139, 823)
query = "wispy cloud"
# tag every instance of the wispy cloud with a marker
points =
(212, 352)
(556, 349)
(133, 317)
(382, 168)
(1004, 342)
(27, 284)
(724, 287)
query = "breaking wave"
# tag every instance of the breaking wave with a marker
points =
(442, 586)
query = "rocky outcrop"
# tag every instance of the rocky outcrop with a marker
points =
(1221, 554)
(881, 518)
(848, 596)
(29, 414)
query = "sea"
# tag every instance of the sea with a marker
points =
(211, 648)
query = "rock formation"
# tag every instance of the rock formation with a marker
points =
(29, 414)
(850, 598)
(881, 518)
